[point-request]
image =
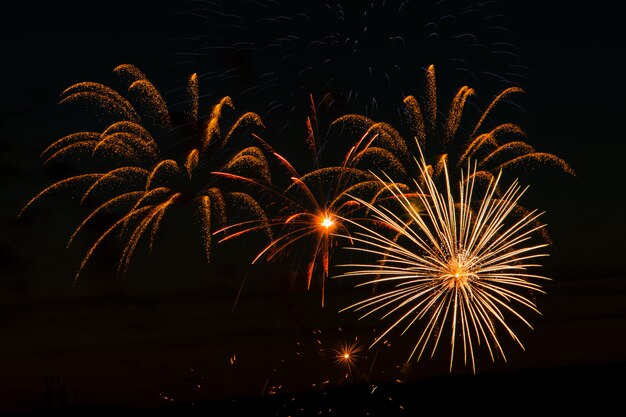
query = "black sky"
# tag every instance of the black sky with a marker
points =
(124, 341)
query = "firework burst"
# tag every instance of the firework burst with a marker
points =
(460, 268)
(153, 160)
(444, 139)
(347, 354)
(311, 207)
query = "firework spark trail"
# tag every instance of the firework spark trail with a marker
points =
(149, 175)
(461, 267)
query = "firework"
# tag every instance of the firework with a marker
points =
(358, 56)
(445, 140)
(460, 268)
(151, 163)
(310, 208)
(347, 354)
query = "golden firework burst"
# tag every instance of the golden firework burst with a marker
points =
(459, 268)
(152, 163)
(443, 140)
(347, 354)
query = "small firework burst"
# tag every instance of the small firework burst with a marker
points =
(150, 160)
(340, 356)
(347, 354)
(459, 269)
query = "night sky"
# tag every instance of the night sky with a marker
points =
(173, 328)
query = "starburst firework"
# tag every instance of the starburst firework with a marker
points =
(347, 354)
(460, 267)
(151, 162)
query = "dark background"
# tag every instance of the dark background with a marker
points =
(131, 341)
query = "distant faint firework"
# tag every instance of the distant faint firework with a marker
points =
(444, 139)
(459, 270)
(358, 57)
(150, 160)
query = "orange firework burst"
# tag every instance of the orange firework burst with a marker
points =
(444, 140)
(312, 206)
(152, 162)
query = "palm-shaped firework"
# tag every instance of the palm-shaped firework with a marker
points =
(145, 173)
(444, 139)
(460, 268)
